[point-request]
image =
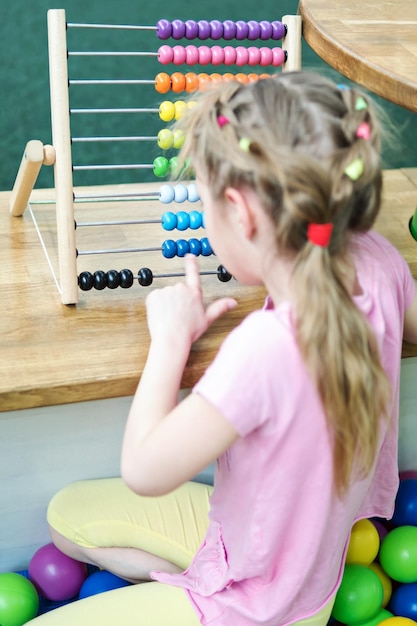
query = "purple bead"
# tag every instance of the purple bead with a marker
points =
(266, 30)
(242, 30)
(229, 30)
(204, 30)
(254, 30)
(163, 29)
(278, 30)
(191, 29)
(178, 29)
(216, 29)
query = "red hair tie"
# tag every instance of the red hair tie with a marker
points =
(320, 234)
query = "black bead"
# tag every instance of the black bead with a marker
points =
(113, 279)
(126, 279)
(223, 275)
(86, 281)
(100, 280)
(145, 277)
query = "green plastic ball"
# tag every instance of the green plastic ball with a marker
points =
(376, 619)
(19, 600)
(398, 554)
(360, 595)
(160, 167)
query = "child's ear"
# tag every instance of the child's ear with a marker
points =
(244, 214)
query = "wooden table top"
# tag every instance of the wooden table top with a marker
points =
(372, 43)
(54, 354)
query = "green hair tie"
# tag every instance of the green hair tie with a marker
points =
(244, 144)
(355, 169)
(360, 104)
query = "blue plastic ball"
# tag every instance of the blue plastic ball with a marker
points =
(404, 601)
(405, 513)
(99, 582)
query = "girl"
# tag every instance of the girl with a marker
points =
(300, 406)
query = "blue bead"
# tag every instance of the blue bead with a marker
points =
(193, 195)
(203, 220)
(206, 249)
(183, 247)
(169, 220)
(195, 219)
(169, 249)
(195, 246)
(181, 193)
(183, 220)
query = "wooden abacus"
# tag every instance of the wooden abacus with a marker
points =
(288, 56)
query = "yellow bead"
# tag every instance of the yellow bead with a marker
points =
(180, 107)
(179, 137)
(165, 139)
(166, 111)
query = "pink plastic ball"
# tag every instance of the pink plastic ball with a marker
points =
(254, 57)
(242, 55)
(229, 55)
(55, 575)
(165, 55)
(217, 55)
(204, 55)
(179, 55)
(191, 54)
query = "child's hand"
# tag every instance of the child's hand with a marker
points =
(178, 311)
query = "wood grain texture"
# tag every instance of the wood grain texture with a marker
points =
(372, 43)
(54, 354)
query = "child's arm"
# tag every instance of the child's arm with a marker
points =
(166, 443)
(410, 321)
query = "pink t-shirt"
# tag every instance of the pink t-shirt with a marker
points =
(275, 547)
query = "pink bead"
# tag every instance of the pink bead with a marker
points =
(242, 55)
(229, 55)
(254, 55)
(204, 55)
(191, 54)
(278, 56)
(165, 55)
(266, 56)
(217, 55)
(179, 55)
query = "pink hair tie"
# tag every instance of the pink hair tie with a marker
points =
(364, 131)
(319, 234)
(222, 120)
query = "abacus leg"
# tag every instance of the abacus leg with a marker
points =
(30, 165)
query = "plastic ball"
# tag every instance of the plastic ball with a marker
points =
(19, 600)
(360, 595)
(100, 582)
(406, 474)
(404, 601)
(405, 513)
(363, 544)
(383, 614)
(55, 575)
(385, 581)
(398, 554)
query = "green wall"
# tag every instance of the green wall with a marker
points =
(24, 108)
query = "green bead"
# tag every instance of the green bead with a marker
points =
(160, 166)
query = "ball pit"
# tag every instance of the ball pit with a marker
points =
(405, 513)
(364, 543)
(99, 582)
(398, 554)
(360, 595)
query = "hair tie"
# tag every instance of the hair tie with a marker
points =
(222, 120)
(244, 144)
(355, 169)
(364, 131)
(360, 104)
(319, 234)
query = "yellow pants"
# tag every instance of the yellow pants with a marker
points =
(104, 513)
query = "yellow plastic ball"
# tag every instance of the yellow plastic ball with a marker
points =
(364, 543)
(398, 621)
(385, 581)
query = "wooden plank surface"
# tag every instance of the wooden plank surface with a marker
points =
(372, 43)
(54, 354)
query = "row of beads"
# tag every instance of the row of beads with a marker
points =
(191, 82)
(169, 111)
(182, 220)
(216, 55)
(163, 166)
(190, 29)
(178, 193)
(167, 139)
(181, 247)
(125, 278)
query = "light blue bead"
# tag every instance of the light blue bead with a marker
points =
(193, 195)
(195, 219)
(180, 192)
(183, 220)
(169, 220)
(166, 194)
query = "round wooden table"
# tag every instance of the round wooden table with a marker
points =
(372, 43)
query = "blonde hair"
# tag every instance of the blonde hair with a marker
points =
(300, 135)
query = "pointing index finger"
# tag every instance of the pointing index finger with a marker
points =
(192, 272)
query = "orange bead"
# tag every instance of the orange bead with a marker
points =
(252, 78)
(229, 76)
(162, 83)
(216, 77)
(203, 81)
(242, 78)
(177, 82)
(191, 82)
